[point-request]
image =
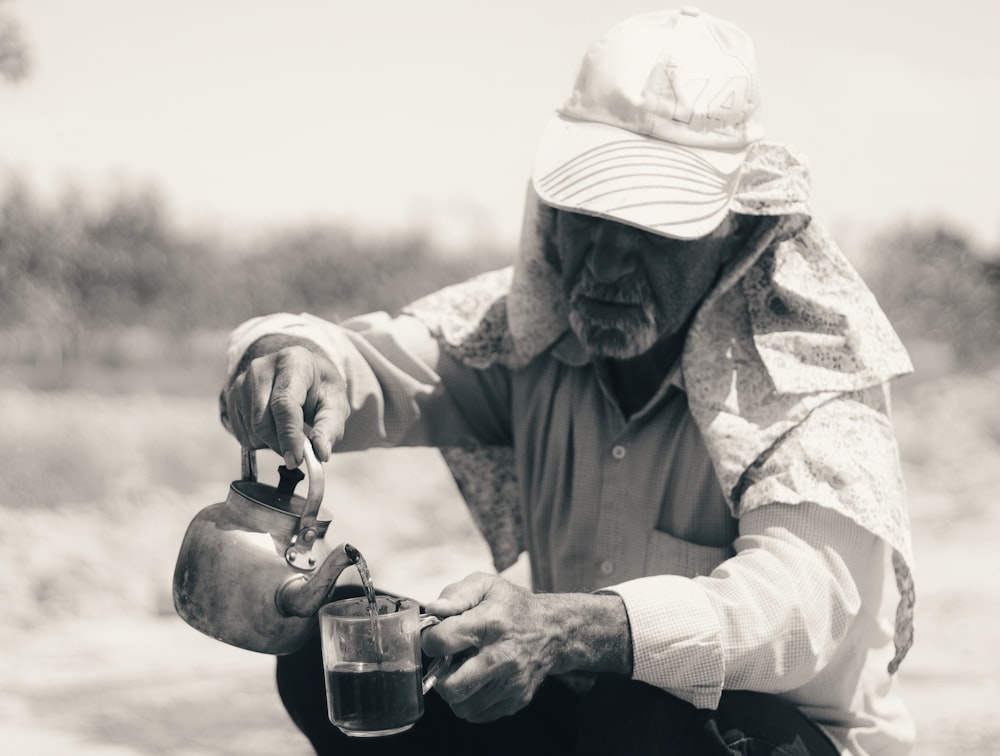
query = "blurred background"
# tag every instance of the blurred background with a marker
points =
(168, 169)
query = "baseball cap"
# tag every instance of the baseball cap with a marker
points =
(655, 133)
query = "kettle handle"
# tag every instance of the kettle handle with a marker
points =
(249, 467)
(317, 483)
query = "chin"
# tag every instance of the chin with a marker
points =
(616, 341)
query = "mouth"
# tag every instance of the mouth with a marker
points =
(605, 308)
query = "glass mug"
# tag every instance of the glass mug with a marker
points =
(374, 682)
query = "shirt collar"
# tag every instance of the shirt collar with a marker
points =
(569, 351)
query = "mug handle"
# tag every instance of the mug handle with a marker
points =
(441, 664)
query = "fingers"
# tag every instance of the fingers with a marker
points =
(271, 403)
(288, 391)
(331, 410)
(486, 686)
(235, 409)
(489, 708)
(478, 611)
(463, 682)
(257, 421)
(493, 632)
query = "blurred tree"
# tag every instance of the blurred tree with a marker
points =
(74, 265)
(32, 272)
(993, 272)
(15, 57)
(331, 271)
(334, 272)
(124, 263)
(935, 287)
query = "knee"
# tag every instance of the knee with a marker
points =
(771, 723)
(621, 716)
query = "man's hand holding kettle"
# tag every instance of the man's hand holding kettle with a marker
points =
(283, 390)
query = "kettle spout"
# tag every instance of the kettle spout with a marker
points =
(302, 596)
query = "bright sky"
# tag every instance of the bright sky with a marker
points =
(253, 112)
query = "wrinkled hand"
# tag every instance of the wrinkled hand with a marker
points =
(506, 638)
(271, 402)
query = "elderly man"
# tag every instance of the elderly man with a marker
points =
(675, 402)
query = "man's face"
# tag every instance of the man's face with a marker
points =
(626, 288)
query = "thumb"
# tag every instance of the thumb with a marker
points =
(461, 596)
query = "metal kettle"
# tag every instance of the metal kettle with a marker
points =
(253, 570)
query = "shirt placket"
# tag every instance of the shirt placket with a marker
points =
(613, 531)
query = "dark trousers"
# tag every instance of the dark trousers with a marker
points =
(618, 716)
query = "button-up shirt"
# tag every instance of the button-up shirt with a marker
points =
(790, 599)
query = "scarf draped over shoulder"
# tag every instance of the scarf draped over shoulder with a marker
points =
(789, 329)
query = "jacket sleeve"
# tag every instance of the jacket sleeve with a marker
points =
(403, 390)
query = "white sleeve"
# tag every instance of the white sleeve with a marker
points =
(767, 619)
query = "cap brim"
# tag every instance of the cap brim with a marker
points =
(603, 170)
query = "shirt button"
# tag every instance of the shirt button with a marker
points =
(607, 567)
(618, 452)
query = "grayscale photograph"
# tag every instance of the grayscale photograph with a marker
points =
(567, 378)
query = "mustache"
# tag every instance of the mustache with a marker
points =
(632, 289)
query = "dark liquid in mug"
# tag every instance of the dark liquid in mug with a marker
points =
(368, 698)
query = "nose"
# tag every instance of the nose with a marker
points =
(613, 254)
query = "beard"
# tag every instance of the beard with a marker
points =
(616, 321)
